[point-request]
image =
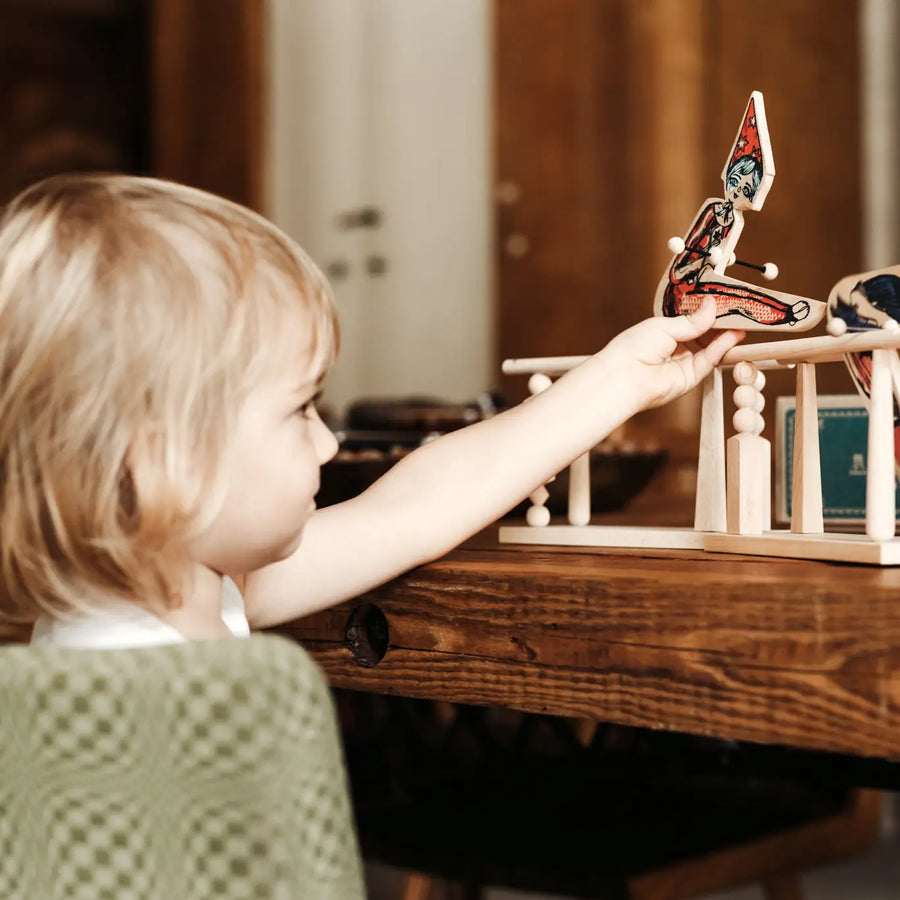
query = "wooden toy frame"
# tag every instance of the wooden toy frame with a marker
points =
(732, 509)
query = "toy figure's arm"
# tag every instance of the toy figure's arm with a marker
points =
(688, 266)
(689, 263)
(449, 489)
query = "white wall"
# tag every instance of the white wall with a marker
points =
(880, 81)
(387, 103)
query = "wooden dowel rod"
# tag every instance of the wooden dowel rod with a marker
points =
(556, 365)
(550, 365)
(816, 349)
(769, 355)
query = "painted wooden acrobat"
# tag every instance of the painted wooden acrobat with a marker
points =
(697, 269)
(732, 511)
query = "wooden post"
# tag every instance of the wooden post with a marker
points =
(709, 506)
(880, 506)
(806, 490)
(580, 490)
(537, 515)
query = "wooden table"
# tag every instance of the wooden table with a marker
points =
(778, 652)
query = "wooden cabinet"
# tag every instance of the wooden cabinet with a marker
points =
(71, 88)
(168, 87)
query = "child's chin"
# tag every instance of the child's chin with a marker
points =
(290, 546)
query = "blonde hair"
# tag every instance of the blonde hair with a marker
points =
(135, 314)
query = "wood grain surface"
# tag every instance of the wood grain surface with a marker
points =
(796, 653)
(207, 95)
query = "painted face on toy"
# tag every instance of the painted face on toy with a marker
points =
(741, 188)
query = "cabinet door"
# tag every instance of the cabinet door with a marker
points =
(614, 119)
(378, 165)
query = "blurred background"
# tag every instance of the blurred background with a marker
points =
(480, 179)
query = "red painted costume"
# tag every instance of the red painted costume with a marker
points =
(692, 277)
(685, 291)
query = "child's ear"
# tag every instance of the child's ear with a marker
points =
(140, 479)
(152, 511)
(165, 487)
(155, 487)
(128, 504)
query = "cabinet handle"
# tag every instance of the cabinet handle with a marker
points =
(337, 270)
(517, 245)
(363, 217)
(507, 193)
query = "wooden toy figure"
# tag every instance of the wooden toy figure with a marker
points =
(860, 303)
(732, 512)
(702, 256)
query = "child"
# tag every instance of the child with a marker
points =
(161, 351)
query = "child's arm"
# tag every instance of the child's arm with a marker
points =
(449, 489)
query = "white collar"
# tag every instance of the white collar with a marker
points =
(130, 625)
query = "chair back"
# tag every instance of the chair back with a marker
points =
(209, 769)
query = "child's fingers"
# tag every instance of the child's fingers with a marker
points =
(710, 355)
(687, 328)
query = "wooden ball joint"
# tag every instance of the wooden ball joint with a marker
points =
(748, 399)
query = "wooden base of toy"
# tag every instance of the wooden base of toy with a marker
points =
(604, 536)
(737, 476)
(833, 547)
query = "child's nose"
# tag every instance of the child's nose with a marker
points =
(325, 443)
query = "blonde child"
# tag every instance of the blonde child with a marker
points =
(161, 350)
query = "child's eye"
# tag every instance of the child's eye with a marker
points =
(308, 407)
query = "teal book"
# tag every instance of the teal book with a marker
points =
(843, 441)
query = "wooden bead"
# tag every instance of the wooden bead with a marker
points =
(748, 421)
(747, 397)
(537, 516)
(745, 373)
(539, 382)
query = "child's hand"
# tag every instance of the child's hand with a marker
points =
(664, 357)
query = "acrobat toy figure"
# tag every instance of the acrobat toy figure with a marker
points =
(700, 258)
(860, 303)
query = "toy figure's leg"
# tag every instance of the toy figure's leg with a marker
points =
(673, 300)
(764, 309)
